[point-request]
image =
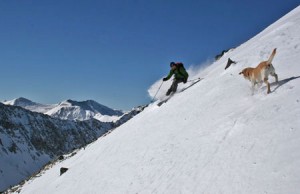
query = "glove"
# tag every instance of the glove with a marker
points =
(165, 79)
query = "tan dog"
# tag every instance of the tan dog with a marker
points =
(261, 72)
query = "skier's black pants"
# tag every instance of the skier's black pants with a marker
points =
(174, 86)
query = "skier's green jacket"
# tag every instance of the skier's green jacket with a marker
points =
(179, 74)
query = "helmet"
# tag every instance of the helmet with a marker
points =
(172, 64)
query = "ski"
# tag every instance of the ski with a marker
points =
(172, 94)
(193, 83)
(165, 100)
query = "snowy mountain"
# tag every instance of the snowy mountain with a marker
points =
(29, 105)
(70, 109)
(214, 137)
(73, 110)
(30, 140)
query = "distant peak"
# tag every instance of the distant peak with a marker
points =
(70, 101)
(23, 99)
(20, 102)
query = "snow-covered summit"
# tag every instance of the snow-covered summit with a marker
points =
(214, 137)
(70, 109)
(20, 102)
(74, 110)
(29, 105)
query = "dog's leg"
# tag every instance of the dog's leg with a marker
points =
(268, 85)
(276, 77)
(259, 84)
(252, 87)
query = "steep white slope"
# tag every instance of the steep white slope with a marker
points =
(214, 137)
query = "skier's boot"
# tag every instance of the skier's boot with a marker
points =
(169, 92)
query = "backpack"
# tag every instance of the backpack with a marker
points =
(179, 65)
(181, 70)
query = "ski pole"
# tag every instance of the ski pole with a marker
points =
(157, 90)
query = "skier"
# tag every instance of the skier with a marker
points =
(180, 74)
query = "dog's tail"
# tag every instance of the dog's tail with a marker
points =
(271, 57)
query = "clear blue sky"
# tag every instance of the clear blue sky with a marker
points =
(111, 51)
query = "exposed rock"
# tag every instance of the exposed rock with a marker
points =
(63, 170)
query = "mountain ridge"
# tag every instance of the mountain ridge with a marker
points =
(29, 140)
(70, 109)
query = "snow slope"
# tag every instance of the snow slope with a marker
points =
(213, 138)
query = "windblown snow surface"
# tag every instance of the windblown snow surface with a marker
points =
(214, 137)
